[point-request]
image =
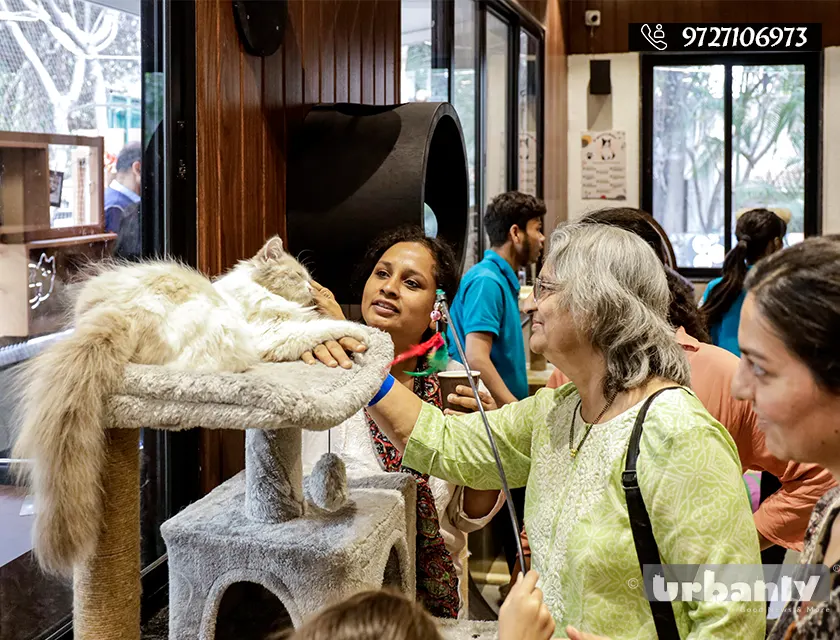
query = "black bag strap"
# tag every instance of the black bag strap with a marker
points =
(646, 548)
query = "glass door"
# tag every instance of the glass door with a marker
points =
(528, 113)
(496, 109)
(95, 150)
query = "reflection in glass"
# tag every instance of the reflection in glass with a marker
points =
(768, 141)
(496, 101)
(688, 161)
(527, 108)
(419, 82)
(464, 100)
(75, 190)
(52, 192)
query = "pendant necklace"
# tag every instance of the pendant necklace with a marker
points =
(573, 450)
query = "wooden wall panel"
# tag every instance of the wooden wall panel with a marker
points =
(328, 49)
(367, 61)
(616, 15)
(555, 117)
(247, 107)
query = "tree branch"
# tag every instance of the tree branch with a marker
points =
(712, 202)
(62, 37)
(78, 81)
(697, 197)
(44, 75)
(105, 36)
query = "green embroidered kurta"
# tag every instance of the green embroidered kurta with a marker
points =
(576, 513)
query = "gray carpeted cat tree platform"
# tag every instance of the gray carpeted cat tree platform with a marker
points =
(256, 527)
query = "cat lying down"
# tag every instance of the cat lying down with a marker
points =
(160, 313)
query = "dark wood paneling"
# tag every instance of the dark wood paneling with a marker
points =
(537, 8)
(354, 45)
(328, 54)
(367, 23)
(345, 13)
(555, 116)
(616, 15)
(246, 109)
(312, 42)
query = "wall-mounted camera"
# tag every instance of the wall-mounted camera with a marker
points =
(592, 18)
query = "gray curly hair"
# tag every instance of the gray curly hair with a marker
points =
(614, 286)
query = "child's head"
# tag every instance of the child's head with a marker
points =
(370, 615)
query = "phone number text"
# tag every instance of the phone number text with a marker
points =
(763, 37)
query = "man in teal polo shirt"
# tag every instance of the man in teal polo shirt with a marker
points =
(486, 313)
(486, 308)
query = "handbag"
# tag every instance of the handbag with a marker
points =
(646, 549)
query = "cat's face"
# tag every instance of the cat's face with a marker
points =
(281, 274)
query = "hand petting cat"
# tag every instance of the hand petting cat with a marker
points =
(332, 353)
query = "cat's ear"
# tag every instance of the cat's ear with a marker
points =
(273, 249)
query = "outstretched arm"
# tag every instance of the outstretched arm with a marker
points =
(456, 448)
(478, 349)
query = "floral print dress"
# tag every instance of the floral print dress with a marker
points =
(822, 622)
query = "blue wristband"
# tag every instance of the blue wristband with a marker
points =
(383, 390)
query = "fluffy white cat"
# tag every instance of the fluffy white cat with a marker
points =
(160, 313)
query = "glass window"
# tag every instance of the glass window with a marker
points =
(465, 102)
(688, 164)
(688, 161)
(496, 106)
(768, 142)
(419, 82)
(528, 112)
(71, 153)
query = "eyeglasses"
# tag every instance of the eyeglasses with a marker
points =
(541, 286)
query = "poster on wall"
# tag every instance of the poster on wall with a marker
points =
(604, 165)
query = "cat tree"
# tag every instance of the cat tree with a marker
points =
(390, 162)
(256, 527)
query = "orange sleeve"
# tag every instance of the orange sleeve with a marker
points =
(557, 379)
(783, 517)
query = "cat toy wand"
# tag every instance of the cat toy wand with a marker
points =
(446, 318)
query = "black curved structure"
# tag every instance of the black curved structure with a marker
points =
(355, 171)
(261, 24)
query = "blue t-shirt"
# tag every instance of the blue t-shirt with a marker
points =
(488, 302)
(725, 331)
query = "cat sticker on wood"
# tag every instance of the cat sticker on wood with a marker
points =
(41, 280)
(157, 313)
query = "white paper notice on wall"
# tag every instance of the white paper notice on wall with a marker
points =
(604, 165)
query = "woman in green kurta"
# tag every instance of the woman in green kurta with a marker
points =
(599, 314)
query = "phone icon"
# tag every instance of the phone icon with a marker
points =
(657, 38)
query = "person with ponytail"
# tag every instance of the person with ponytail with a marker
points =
(759, 233)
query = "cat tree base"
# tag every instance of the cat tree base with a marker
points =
(308, 563)
(106, 588)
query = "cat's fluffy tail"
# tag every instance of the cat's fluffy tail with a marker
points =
(64, 437)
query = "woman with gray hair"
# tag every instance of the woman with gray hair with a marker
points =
(599, 314)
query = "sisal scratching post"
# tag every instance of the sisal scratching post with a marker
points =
(106, 589)
(273, 475)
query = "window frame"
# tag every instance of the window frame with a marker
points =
(517, 20)
(811, 61)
